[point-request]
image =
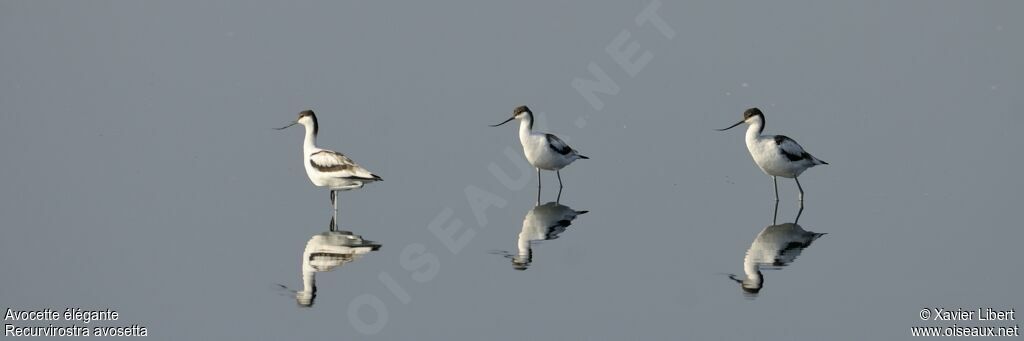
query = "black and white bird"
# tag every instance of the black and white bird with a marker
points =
(543, 151)
(776, 155)
(774, 248)
(328, 168)
(542, 222)
(325, 252)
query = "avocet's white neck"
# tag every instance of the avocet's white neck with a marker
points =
(525, 255)
(750, 268)
(308, 282)
(309, 143)
(754, 279)
(524, 244)
(754, 130)
(525, 126)
(305, 296)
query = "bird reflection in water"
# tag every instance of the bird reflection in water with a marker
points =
(325, 252)
(542, 222)
(774, 247)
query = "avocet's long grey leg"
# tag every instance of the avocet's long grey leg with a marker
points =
(538, 179)
(559, 173)
(775, 216)
(334, 201)
(538, 186)
(800, 188)
(798, 213)
(776, 180)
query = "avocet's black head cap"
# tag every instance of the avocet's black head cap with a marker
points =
(521, 109)
(751, 113)
(316, 126)
(521, 266)
(306, 302)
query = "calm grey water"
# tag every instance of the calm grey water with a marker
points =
(140, 172)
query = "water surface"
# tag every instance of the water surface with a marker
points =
(140, 171)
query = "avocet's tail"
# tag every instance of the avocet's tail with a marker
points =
(818, 161)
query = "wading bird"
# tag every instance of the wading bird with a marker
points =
(328, 168)
(775, 247)
(776, 155)
(543, 151)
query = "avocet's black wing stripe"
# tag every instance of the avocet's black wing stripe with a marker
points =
(558, 145)
(790, 149)
(343, 167)
(330, 161)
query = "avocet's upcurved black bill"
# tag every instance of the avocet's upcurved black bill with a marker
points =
(506, 121)
(732, 126)
(293, 123)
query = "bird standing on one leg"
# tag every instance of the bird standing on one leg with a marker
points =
(776, 155)
(328, 168)
(543, 151)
